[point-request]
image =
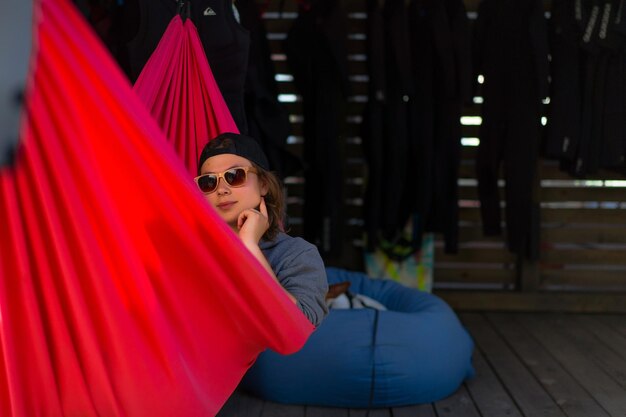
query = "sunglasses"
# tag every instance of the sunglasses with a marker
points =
(234, 177)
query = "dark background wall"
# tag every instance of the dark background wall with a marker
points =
(583, 221)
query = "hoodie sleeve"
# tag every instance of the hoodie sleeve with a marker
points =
(301, 271)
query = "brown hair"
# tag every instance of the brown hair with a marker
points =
(274, 200)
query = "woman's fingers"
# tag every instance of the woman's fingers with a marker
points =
(243, 216)
(253, 223)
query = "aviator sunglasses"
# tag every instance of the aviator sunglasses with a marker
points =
(234, 177)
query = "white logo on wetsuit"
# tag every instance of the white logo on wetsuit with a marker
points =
(605, 20)
(591, 24)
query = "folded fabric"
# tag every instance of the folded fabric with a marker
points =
(122, 293)
(179, 90)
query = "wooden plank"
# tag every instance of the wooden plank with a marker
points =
(490, 396)
(529, 278)
(353, 5)
(471, 5)
(553, 279)
(473, 232)
(464, 274)
(313, 411)
(584, 215)
(552, 233)
(470, 192)
(471, 110)
(287, 88)
(241, 404)
(356, 25)
(549, 169)
(583, 256)
(472, 214)
(565, 390)
(356, 5)
(616, 322)
(373, 412)
(531, 398)
(359, 88)
(459, 404)
(287, 6)
(271, 409)
(231, 407)
(354, 46)
(602, 330)
(467, 168)
(250, 407)
(602, 355)
(593, 234)
(608, 393)
(476, 254)
(421, 410)
(469, 152)
(582, 194)
(578, 215)
(565, 194)
(357, 67)
(607, 302)
(277, 24)
(281, 67)
(349, 257)
(357, 46)
(294, 108)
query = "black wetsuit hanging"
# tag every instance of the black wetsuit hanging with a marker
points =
(612, 36)
(317, 56)
(511, 52)
(386, 127)
(225, 42)
(419, 63)
(398, 191)
(268, 120)
(451, 75)
(564, 116)
(587, 120)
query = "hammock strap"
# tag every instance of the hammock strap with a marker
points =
(184, 9)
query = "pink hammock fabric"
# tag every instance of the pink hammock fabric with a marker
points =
(179, 90)
(121, 292)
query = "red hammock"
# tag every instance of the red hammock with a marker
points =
(121, 291)
(178, 87)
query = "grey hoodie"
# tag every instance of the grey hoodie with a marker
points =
(300, 270)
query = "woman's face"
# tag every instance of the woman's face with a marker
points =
(230, 201)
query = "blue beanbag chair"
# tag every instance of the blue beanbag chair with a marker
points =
(414, 352)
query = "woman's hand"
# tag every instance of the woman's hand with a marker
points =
(252, 224)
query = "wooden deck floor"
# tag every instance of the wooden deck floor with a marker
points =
(531, 365)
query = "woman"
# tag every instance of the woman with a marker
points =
(234, 176)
